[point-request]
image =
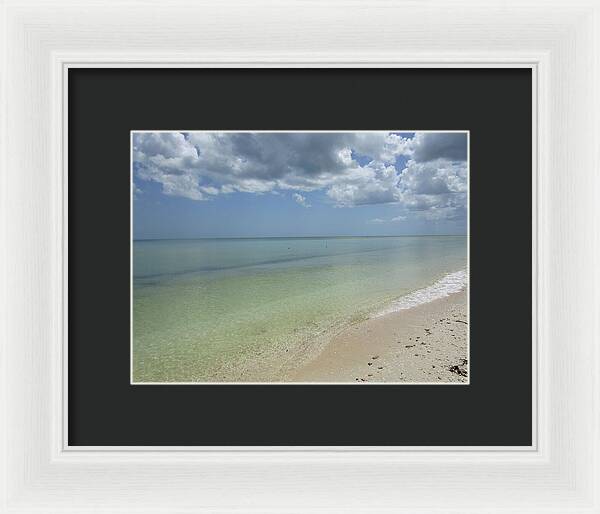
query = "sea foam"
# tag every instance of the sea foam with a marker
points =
(451, 283)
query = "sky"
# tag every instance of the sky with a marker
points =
(298, 184)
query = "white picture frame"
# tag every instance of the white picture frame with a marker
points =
(559, 41)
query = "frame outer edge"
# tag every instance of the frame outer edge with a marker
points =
(3, 263)
(38, 486)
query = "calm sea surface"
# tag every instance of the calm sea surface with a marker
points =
(204, 309)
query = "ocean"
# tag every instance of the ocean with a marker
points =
(230, 310)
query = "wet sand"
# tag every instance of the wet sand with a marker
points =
(425, 344)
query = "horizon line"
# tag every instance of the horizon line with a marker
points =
(291, 237)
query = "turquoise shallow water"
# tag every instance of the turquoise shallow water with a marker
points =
(203, 309)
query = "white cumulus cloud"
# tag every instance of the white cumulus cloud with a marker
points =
(301, 200)
(352, 169)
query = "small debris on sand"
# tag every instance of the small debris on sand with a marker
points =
(458, 370)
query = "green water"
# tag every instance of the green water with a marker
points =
(204, 309)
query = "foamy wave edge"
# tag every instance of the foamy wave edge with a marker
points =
(447, 285)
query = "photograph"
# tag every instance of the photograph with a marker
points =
(300, 257)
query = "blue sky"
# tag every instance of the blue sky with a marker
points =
(199, 184)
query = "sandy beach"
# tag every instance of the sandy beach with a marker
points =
(425, 344)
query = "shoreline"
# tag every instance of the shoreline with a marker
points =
(427, 343)
(419, 338)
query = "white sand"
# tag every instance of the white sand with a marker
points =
(425, 343)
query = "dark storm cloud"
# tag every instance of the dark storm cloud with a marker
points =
(433, 146)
